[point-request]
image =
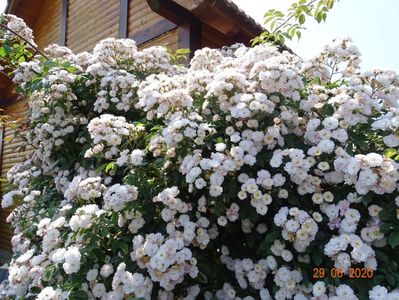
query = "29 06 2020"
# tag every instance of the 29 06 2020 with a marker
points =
(320, 272)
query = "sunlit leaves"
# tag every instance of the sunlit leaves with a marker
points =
(288, 25)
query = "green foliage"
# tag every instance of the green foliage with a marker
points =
(179, 56)
(393, 239)
(288, 25)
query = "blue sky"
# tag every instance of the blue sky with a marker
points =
(373, 24)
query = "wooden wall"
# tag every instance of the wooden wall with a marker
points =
(47, 27)
(46, 30)
(169, 39)
(140, 16)
(90, 21)
(13, 151)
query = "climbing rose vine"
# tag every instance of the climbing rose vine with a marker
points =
(232, 178)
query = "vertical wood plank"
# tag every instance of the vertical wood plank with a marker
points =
(190, 36)
(123, 13)
(64, 15)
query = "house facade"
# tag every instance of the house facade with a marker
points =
(80, 24)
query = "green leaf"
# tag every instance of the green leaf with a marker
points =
(268, 19)
(381, 256)
(390, 152)
(202, 278)
(301, 19)
(63, 105)
(50, 64)
(386, 215)
(110, 166)
(391, 280)
(272, 25)
(266, 243)
(78, 295)
(298, 34)
(102, 167)
(7, 49)
(328, 109)
(393, 239)
(49, 272)
(292, 200)
(396, 275)
(317, 256)
(367, 199)
(386, 227)
(378, 279)
(319, 16)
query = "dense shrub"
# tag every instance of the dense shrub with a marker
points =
(232, 178)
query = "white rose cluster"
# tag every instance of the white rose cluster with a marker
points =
(108, 132)
(297, 226)
(117, 89)
(86, 189)
(232, 177)
(82, 218)
(8, 199)
(116, 196)
(167, 260)
(247, 271)
(371, 172)
(361, 252)
(160, 93)
(19, 26)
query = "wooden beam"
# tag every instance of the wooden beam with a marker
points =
(171, 10)
(190, 36)
(123, 10)
(151, 32)
(189, 32)
(226, 17)
(64, 16)
(213, 38)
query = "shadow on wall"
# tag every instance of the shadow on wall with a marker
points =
(3, 275)
(5, 257)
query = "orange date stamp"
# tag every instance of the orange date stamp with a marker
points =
(319, 273)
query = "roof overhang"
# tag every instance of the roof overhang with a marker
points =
(221, 15)
(225, 16)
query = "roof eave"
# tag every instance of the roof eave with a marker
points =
(240, 23)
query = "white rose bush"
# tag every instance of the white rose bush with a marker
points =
(239, 176)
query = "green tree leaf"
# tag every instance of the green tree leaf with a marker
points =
(328, 109)
(393, 239)
(78, 295)
(301, 19)
(390, 152)
(317, 256)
